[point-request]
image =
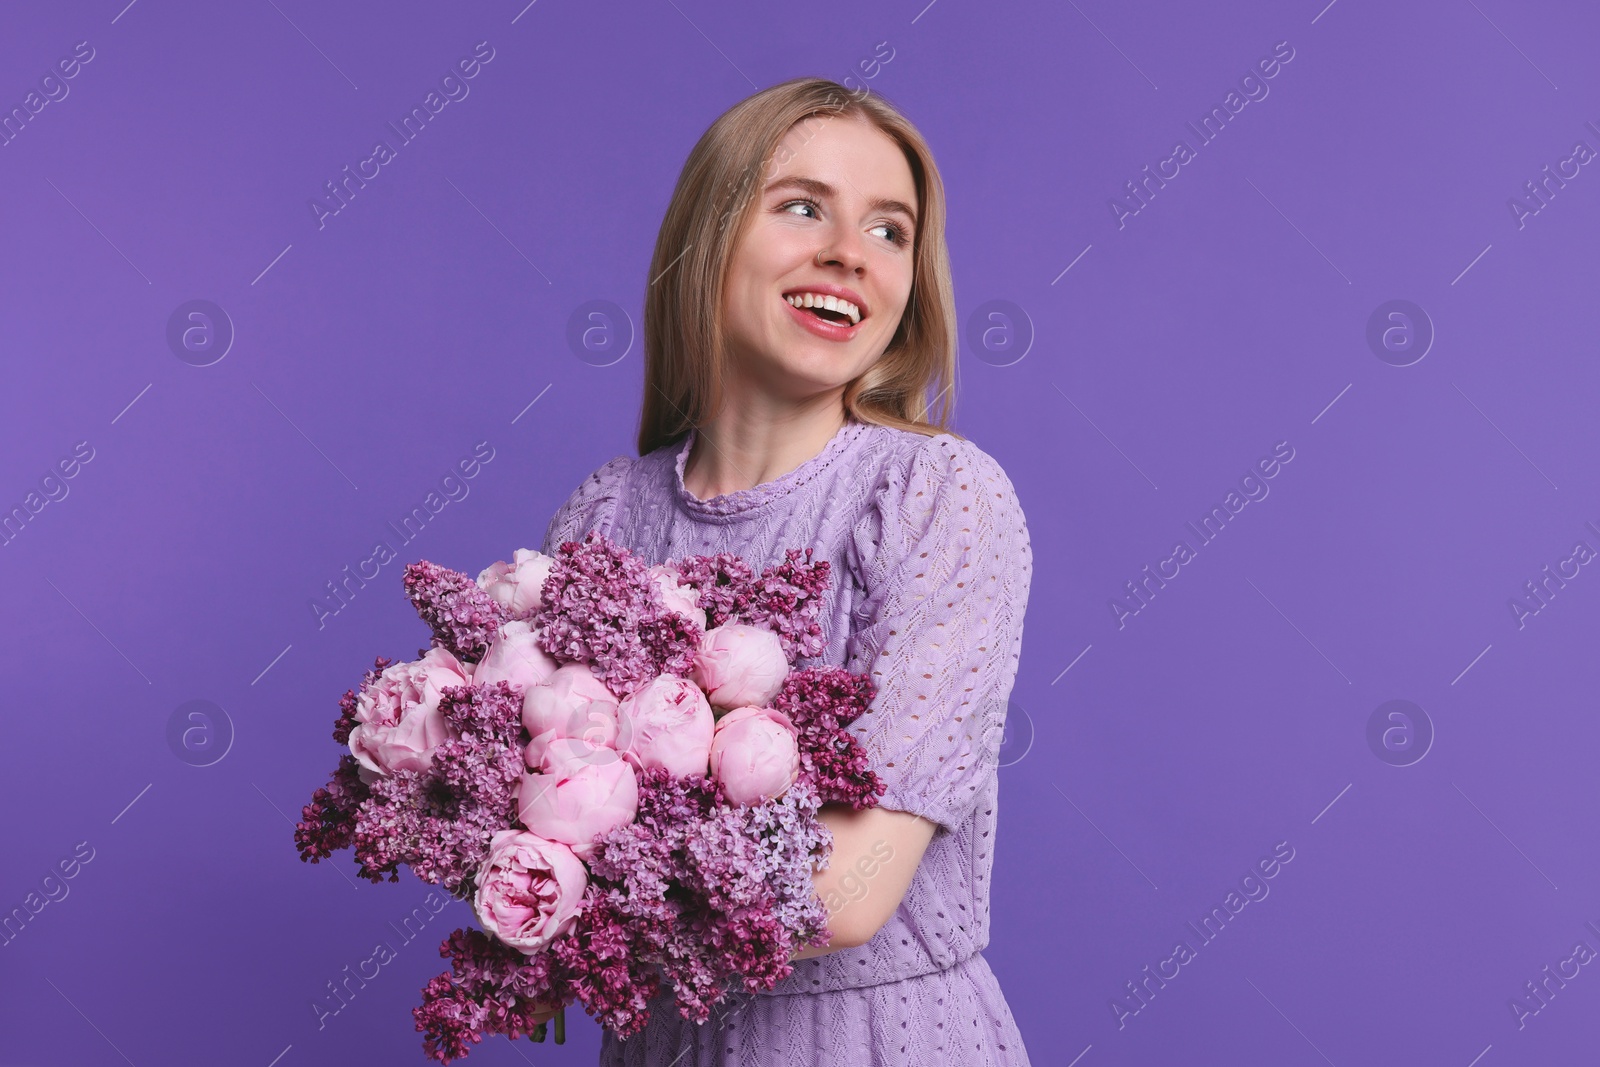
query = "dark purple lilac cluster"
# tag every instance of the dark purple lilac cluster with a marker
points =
(464, 618)
(437, 822)
(821, 702)
(601, 607)
(786, 598)
(696, 891)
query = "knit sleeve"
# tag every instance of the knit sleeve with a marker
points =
(590, 506)
(940, 627)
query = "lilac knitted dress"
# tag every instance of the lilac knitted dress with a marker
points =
(931, 562)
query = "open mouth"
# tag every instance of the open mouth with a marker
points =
(831, 316)
(826, 307)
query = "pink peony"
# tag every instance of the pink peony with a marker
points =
(530, 890)
(560, 754)
(571, 702)
(516, 586)
(398, 722)
(739, 665)
(515, 657)
(666, 724)
(578, 803)
(677, 596)
(755, 754)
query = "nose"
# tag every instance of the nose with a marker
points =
(842, 248)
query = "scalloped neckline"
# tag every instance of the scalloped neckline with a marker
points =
(744, 500)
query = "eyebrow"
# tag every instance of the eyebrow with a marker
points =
(823, 190)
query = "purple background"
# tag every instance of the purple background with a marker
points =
(1149, 766)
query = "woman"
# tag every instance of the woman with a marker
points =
(776, 416)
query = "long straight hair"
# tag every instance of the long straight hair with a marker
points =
(721, 182)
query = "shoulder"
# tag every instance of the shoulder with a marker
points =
(934, 487)
(913, 472)
(590, 505)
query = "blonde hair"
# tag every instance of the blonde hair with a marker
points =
(685, 349)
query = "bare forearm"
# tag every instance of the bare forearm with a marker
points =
(875, 853)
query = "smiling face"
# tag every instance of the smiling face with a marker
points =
(835, 217)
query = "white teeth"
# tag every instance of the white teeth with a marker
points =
(827, 303)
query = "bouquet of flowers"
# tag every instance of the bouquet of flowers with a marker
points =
(617, 766)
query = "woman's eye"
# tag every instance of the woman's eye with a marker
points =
(896, 236)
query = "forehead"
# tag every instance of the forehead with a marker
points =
(848, 152)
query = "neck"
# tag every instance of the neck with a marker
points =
(745, 446)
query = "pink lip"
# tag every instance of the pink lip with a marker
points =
(827, 289)
(832, 331)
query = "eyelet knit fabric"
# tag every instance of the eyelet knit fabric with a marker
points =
(931, 568)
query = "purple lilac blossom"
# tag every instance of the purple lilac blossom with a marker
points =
(697, 892)
(602, 608)
(439, 822)
(821, 702)
(490, 988)
(785, 598)
(464, 618)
